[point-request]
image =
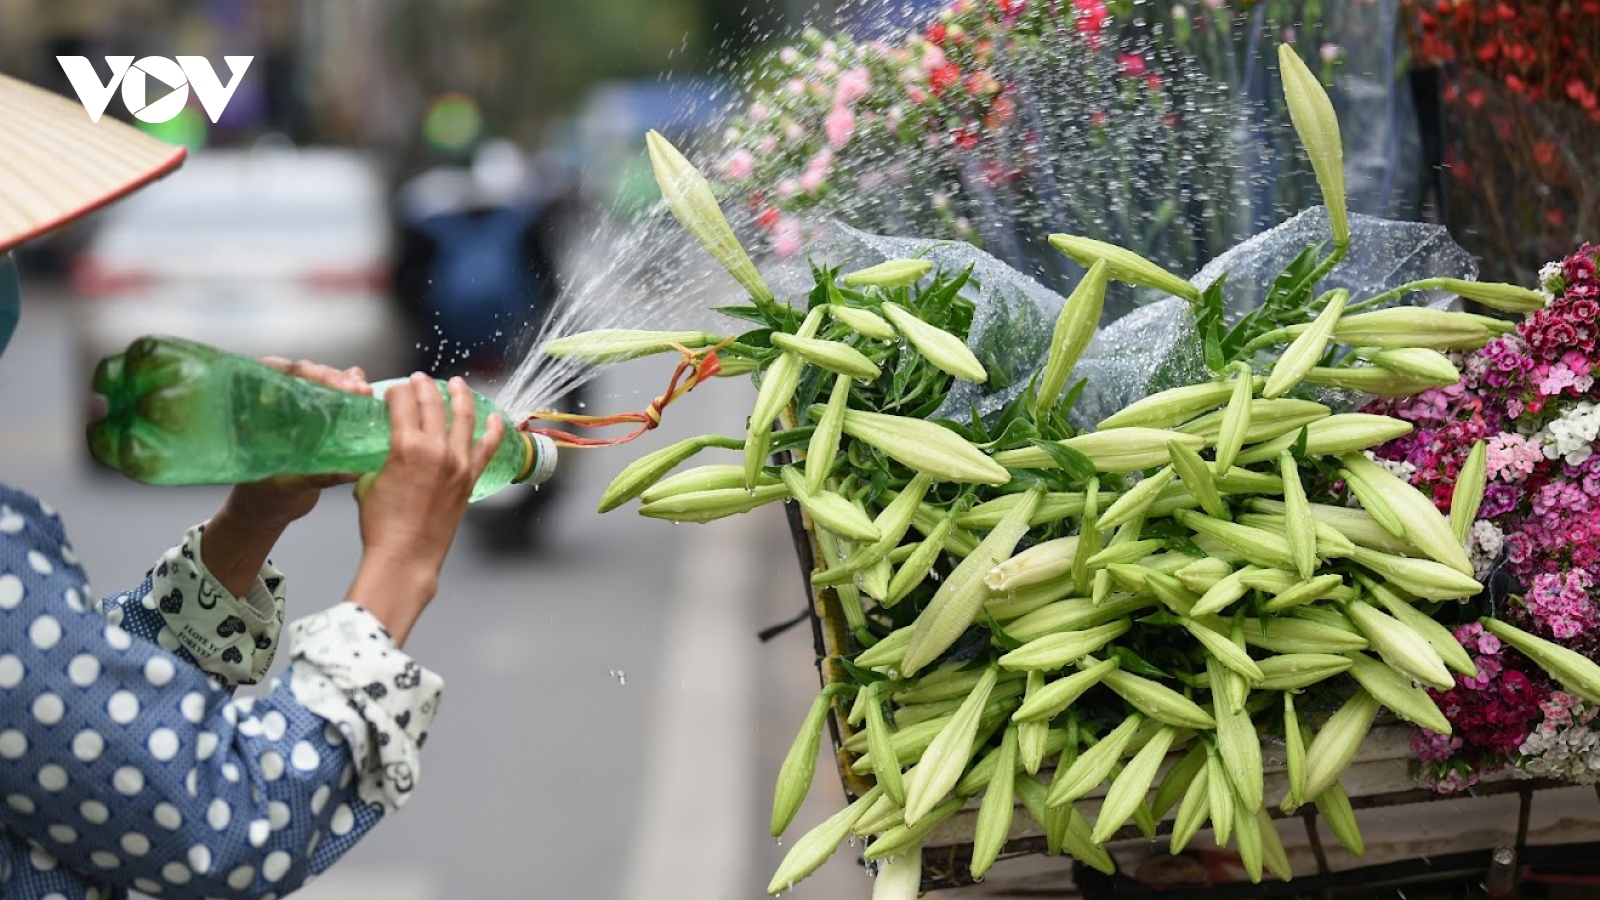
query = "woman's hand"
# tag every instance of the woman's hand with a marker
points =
(411, 510)
(241, 535)
(276, 502)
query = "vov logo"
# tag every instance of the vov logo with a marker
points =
(178, 76)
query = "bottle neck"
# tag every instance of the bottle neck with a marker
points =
(530, 456)
(539, 458)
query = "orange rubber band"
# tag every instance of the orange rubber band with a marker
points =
(695, 366)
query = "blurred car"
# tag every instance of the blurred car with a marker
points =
(275, 251)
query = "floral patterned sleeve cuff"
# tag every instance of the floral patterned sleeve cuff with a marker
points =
(347, 670)
(186, 609)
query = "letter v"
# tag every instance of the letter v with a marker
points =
(214, 96)
(94, 96)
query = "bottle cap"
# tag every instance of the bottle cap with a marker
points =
(541, 459)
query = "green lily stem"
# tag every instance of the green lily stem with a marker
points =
(1340, 248)
(1423, 285)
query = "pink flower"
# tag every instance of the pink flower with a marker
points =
(789, 56)
(768, 144)
(816, 173)
(788, 187)
(795, 87)
(759, 112)
(933, 57)
(1133, 65)
(738, 164)
(840, 125)
(827, 68)
(1561, 603)
(1330, 52)
(786, 238)
(1512, 457)
(853, 85)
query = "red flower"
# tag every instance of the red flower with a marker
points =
(935, 33)
(1001, 112)
(1090, 19)
(943, 77)
(965, 138)
(1133, 65)
(982, 84)
(768, 219)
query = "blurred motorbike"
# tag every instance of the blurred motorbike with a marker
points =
(476, 277)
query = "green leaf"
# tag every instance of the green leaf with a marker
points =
(1299, 448)
(861, 676)
(1019, 433)
(1060, 417)
(1216, 358)
(967, 432)
(1138, 665)
(943, 294)
(1074, 464)
(792, 438)
(747, 313)
(761, 338)
(1006, 640)
(1293, 283)
(1051, 479)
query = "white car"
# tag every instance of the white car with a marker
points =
(279, 252)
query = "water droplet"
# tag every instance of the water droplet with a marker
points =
(620, 677)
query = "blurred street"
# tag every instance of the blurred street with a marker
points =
(612, 726)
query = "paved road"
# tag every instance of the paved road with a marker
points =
(611, 727)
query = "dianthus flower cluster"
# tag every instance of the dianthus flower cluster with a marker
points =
(1531, 397)
(1566, 745)
(1491, 713)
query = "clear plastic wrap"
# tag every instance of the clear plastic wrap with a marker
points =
(1155, 346)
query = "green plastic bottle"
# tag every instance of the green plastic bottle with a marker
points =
(179, 412)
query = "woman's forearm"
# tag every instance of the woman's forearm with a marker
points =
(234, 549)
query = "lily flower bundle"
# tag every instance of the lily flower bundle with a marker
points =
(1036, 612)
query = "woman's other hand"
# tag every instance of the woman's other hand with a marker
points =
(283, 499)
(410, 512)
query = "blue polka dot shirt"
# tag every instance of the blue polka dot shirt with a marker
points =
(123, 765)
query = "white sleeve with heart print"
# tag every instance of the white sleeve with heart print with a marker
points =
(183, 607)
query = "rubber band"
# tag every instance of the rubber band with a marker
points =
(695, 366)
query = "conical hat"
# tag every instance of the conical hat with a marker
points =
(56, 165)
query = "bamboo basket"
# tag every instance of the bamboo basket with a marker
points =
(1493, 845)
